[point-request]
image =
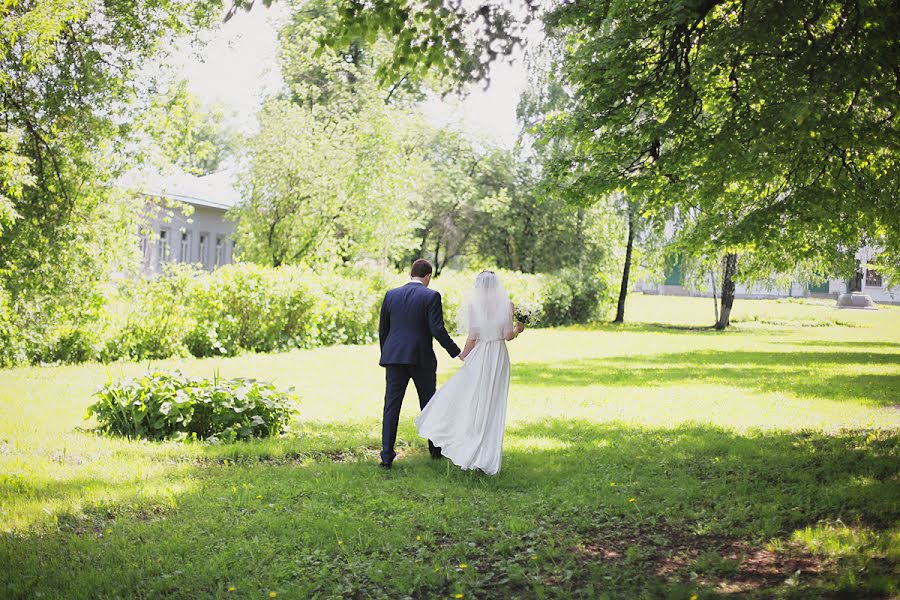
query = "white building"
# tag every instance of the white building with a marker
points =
(204, 236)
(879, 288)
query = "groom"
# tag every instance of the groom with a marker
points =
(410, 316)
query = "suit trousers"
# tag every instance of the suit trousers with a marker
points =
(396, 381)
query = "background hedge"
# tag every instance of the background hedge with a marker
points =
(187, 311)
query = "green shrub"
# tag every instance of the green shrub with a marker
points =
(348, 310)
(159, 317)
(29, 335)
(556, 301)
(186, 310)
(252, 308)
(571, 296)
(75, 345)
(170, 405)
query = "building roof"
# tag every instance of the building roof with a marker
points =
(215, 190)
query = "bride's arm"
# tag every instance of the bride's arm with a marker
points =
(470, 343)
(517, 327)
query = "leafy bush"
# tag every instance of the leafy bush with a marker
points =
(241, 307)
(159, 317)
(571, 296)
(252, 308)
(75, 345)
(29, 335)
(348, 310)
(170, 405)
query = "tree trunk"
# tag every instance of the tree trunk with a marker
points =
(730, 266)
(712, 286)
(437, 258)
(623, 290)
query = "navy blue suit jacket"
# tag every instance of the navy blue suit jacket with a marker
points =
(410, 316)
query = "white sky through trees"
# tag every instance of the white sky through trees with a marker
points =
(237, 68)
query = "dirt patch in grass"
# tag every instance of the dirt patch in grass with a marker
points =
(729, 565)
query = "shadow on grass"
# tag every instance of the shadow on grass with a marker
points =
(811, 374)
(842, 344)
(757, 327)
(580, 508)
(642, 327)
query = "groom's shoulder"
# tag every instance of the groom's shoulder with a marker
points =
(413, 289)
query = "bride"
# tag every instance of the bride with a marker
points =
(466, 417)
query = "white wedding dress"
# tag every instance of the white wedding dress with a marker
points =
(466, 417)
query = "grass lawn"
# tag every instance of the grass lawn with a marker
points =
(659, 459)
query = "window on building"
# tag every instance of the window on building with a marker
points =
(163, 245)
(873, 278)
(220, 250)
(204, 249)
(185, 254)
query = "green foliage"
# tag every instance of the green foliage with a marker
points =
(322, 188)
(457, 189)
(772, 127)
(330, 172)
(12, 339)
(74, 345)
(455, 41)
(160, 406)
(246, 307)
(178, 131)
(253, 308)
(14, 175)
(340, 78)
(72, 80)
(349, 309)
(160, 314)
(585, 294)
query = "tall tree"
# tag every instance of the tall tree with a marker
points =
(330, 173)
(545, 98)
(181, 132)
(776, 122)
(72, 77)
(325, 191)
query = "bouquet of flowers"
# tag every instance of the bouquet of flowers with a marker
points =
(526, 315)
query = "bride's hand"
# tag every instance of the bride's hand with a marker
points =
(519, 328)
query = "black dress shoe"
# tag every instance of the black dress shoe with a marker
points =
(436, 455)
(384, 465)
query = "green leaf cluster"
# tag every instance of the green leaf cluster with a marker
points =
(160, 406)
(451, 40)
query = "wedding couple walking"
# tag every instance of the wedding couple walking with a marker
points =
(464, 420)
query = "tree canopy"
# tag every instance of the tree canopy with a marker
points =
(456, 40)
(72, 78)
(774, 124)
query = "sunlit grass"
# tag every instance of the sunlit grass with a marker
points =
(635, 455)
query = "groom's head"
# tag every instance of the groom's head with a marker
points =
(421, 269)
